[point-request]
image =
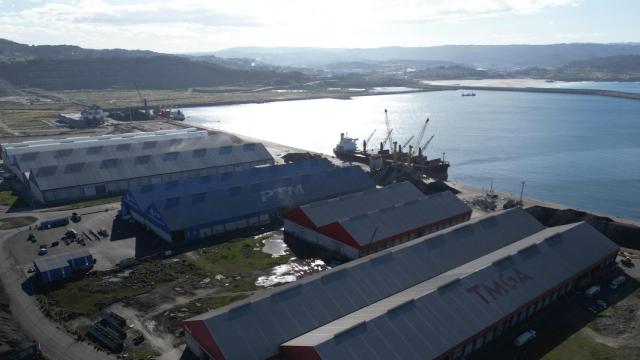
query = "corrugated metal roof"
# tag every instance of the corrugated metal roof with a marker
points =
(183, 212)
(286, 312)
(125, 148)
(328, 211)
(135, 166)
(59, 261)
(431, 318)
(84, 141)
(390, 221)
(139, 198)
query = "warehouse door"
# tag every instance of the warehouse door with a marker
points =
(101, 189)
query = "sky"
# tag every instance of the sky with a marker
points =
(178, 26)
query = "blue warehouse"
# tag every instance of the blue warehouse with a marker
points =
(64, 266)
(191, 209)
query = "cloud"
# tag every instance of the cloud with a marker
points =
(182, 25)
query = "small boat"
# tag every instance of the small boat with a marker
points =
(469, 94)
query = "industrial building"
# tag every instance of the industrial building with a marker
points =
(424, 299)
(362, 223)
(137, 199)
(229, 203)
(79, 168)
(64, 266)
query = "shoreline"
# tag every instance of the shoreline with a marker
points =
(424, 89)
(468, 189)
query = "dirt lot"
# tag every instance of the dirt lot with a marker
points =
(156, 294)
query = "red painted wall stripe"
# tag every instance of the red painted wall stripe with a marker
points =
(201, 334)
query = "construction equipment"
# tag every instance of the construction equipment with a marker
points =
(143, 101)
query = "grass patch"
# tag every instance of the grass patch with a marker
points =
(240, 257)
(144, 353)
(94, 202)
(27, 119)
(16, 222)
(7, 198)
(582, 346)
(90, 294)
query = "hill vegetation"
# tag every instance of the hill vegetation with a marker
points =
(155, 72)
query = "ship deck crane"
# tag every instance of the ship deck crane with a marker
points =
(422, 132)
(370, 136)
(426, 144)
(407, 142)
(389, 129)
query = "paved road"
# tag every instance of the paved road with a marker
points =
(55, 342)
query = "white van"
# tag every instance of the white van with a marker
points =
(617, 282)
(592, 290)
(524, 337)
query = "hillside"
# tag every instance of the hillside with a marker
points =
(486, 56)
(156, 72)
(12, 51)
(610, 68)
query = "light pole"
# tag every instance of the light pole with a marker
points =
(521, 193)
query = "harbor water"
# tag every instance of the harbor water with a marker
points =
(581, 151)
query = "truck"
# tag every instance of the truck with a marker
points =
(524, 338)
(592, 291)
(53, 223)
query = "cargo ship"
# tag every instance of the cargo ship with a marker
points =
(347, 150)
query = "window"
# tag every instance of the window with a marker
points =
(123, 147)
(63, 153)
(172, 156)
(109, 163)
(148, 144)
(94, 150)
(225, 150)
(198, 153)
(144, 159)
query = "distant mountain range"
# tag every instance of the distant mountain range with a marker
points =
(72, 67)
(503, 57)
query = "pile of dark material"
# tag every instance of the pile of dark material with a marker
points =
(109, 332)
(398, 173)
(293, 157)
(625, 235)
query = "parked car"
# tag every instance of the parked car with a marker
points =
(626, 261)
(617, 282)
(55, 243)
(525, 337)
(592, 291)
(602, 304)
(71, 234)
(43, 250)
